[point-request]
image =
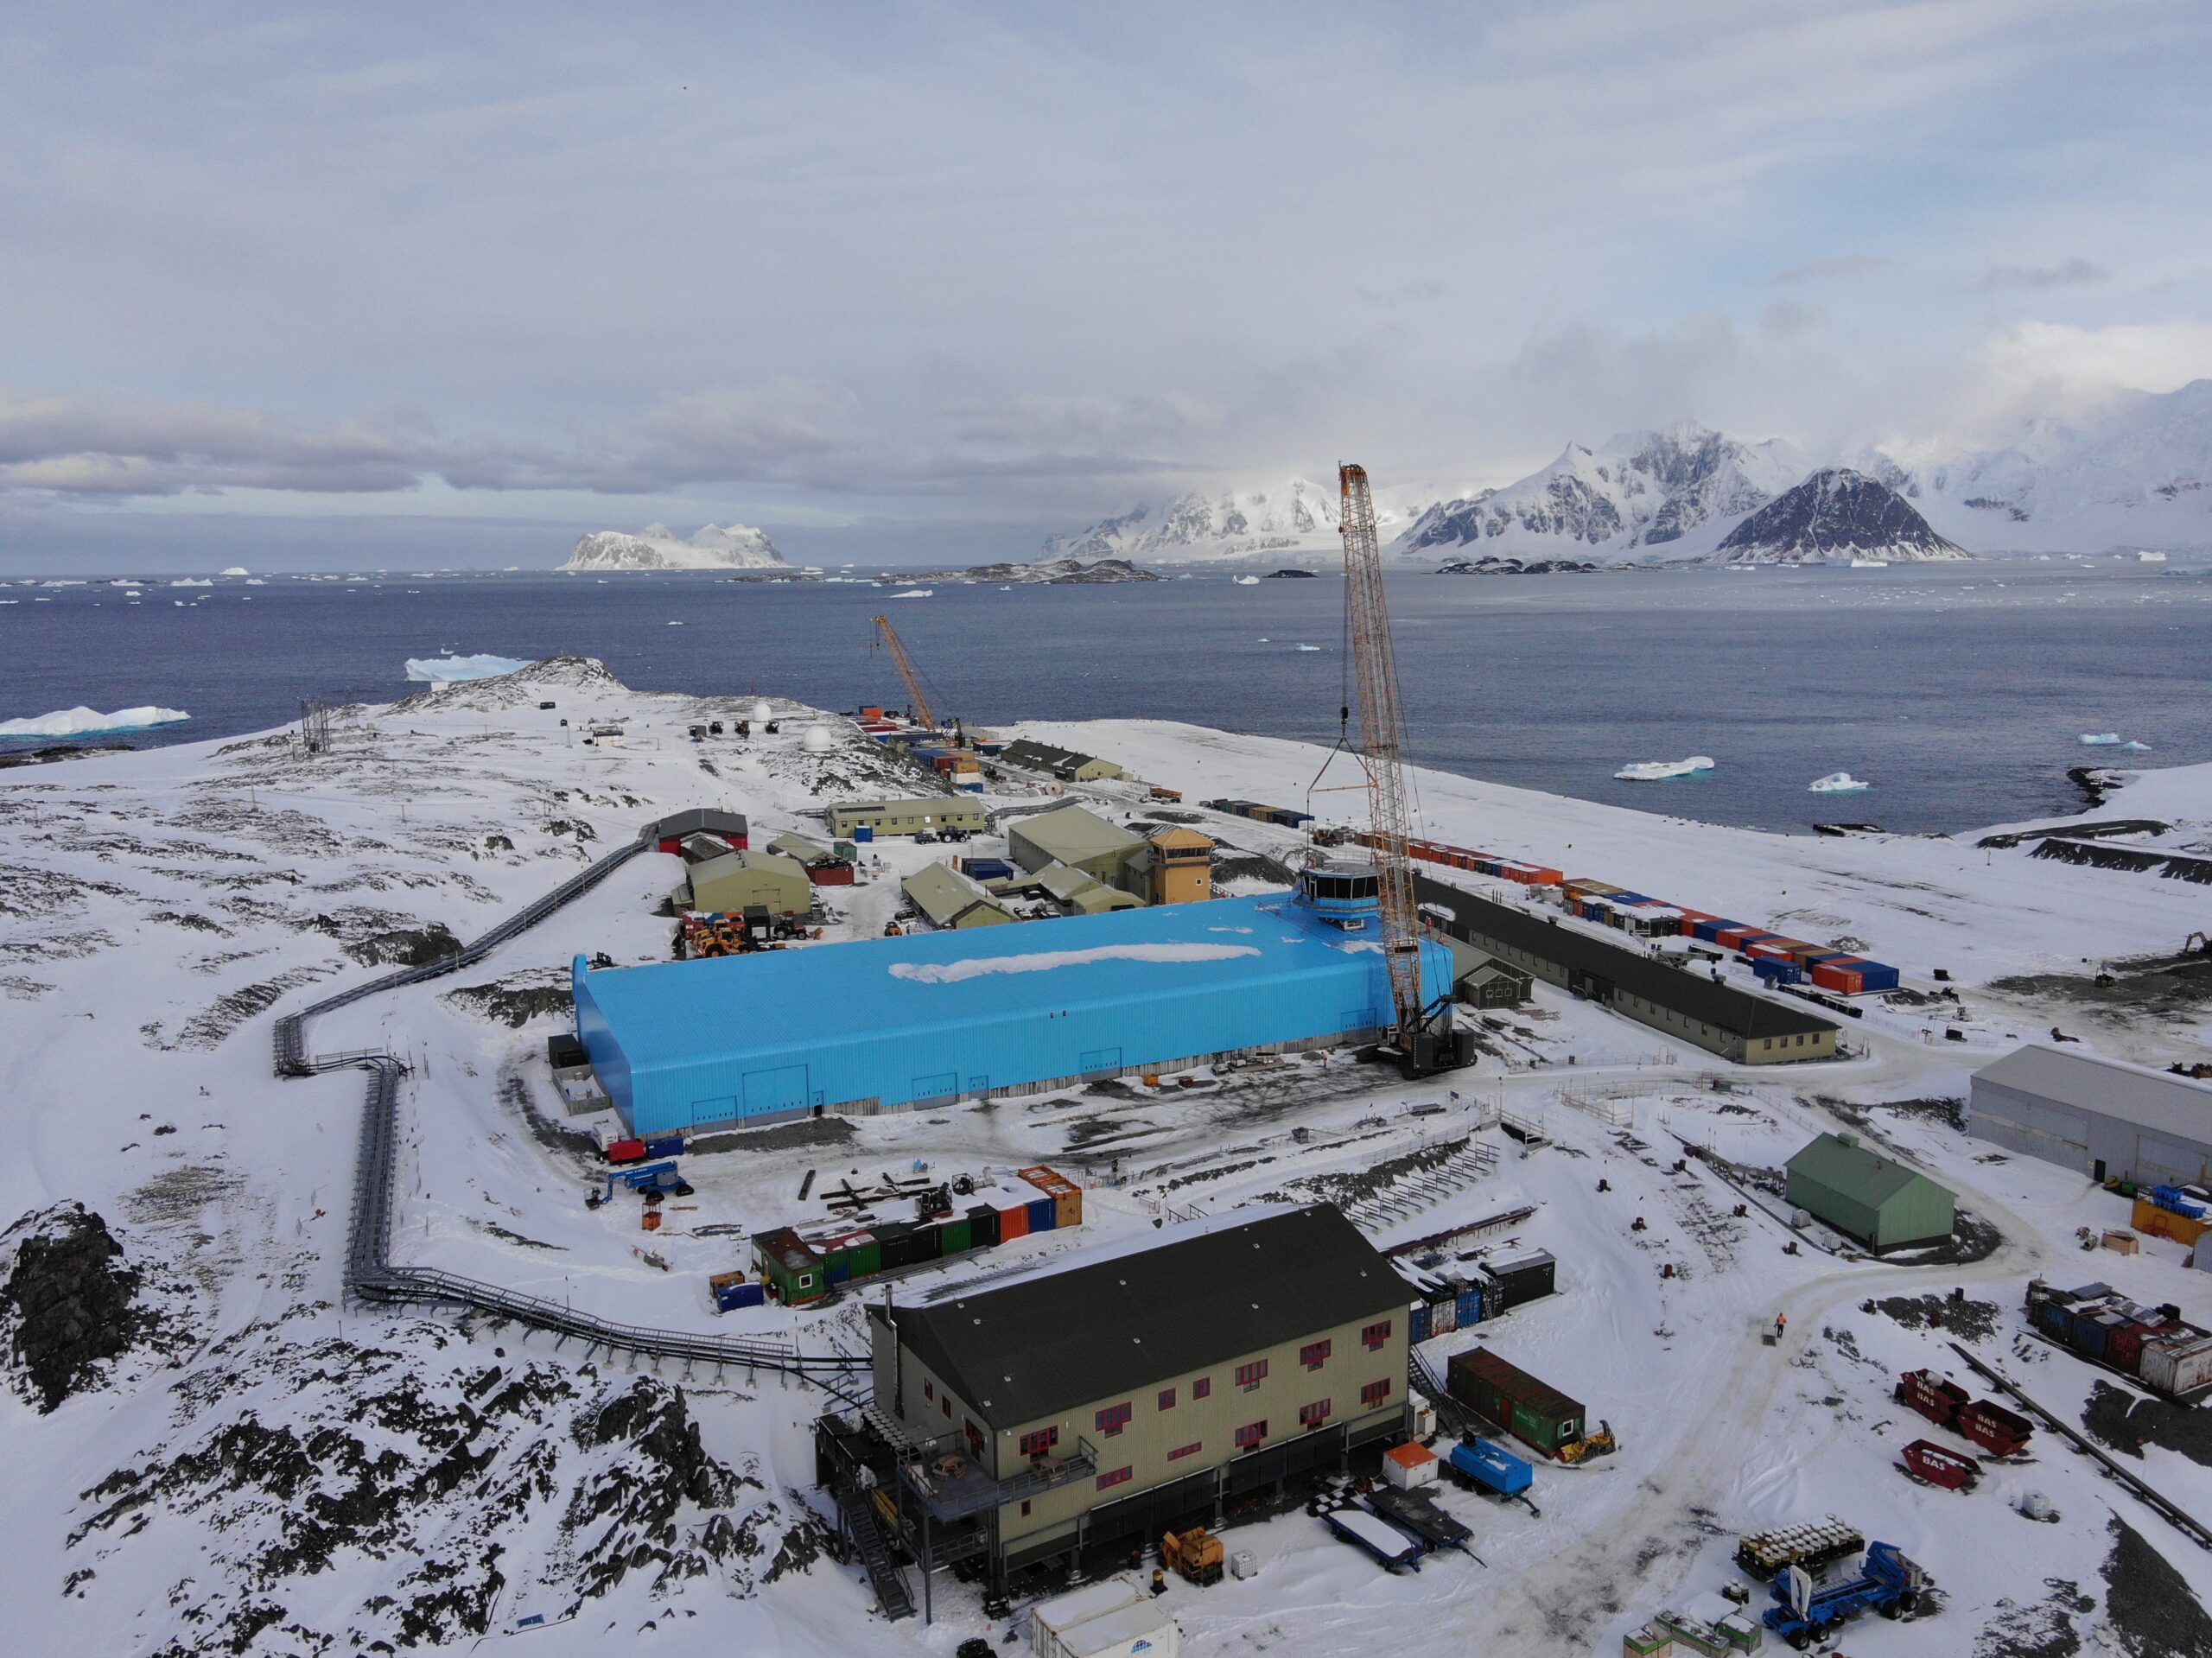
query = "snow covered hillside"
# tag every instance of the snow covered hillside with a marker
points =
(1640, 492)
(738, 547)
(1294, 522)
(2139, 473)
(1836, 513)
(216, 1451)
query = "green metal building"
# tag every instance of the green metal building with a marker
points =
(946, 897)
(1080, 839)
(738, 881)
(1868, 1196)
(930, 812)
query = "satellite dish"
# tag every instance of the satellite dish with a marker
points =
(761, 711)
(819, 739)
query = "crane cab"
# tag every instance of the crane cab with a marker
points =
(1342, 892)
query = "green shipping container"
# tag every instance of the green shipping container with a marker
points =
(867, 1259)
(1532, 1412)
(957, 1237)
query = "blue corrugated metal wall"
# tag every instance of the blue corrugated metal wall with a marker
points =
(760, 1037)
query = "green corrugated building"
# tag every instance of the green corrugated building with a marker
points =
(1868, 1196)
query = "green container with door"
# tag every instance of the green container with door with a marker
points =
(957, 1236)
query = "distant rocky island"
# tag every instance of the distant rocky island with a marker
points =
(1059, 572)
(1492, 564)
(1836, 514)
(737, 547)
(1279, 575)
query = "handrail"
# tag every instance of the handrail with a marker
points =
(372, 1274)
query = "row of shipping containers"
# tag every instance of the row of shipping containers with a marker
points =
(1480, 863)
(1779, 959)
(1494, 1288)
(798, 1270)
(1282, 815)
(2150, 1343)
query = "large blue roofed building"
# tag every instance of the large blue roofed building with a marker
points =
(884, 1023)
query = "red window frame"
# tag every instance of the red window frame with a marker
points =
(1168, 1399)
(1118, 1476)
(1375, 1392)
(1114, 1418)
(1377, 1334)
(1251, 1434)
(1040, 1441)
(929, 1391)
(1202, 1388)
(1315, 1415)
(1314, 1355)
(1249, 1376)
(1183, 1451)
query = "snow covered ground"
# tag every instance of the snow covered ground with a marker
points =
(265, 1469)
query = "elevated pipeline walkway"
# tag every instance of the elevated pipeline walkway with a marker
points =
(372, 1274)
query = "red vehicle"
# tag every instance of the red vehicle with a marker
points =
(1930, 1464)
(625, 1151)
(2000, 1431)
(1939, 1400)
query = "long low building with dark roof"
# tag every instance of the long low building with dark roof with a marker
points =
(1690, 1006)
(1068, 1408)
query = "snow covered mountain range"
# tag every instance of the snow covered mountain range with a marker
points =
(738, 547)
(2137, 473)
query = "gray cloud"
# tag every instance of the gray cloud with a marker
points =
(2067, 273)
(1842, 267)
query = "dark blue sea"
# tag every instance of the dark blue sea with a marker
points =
(1960, 693)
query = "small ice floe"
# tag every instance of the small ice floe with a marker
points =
(1838, 782)
(1246, 580)
(81, 722)
(1308, 647)
(1660, 771)
(2101, 740)
(915, 593)
(2133, 747)
(676, 624)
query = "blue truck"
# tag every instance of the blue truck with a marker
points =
(1889, 1582)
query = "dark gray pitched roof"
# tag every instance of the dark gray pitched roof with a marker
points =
(707, 819)
(1049, 1341)
(1721, 1006)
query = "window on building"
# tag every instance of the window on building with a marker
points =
(945, 1405)
(1114, 1418)
(929, 1390)
(1250, 1434)
(974, 1439)
(1313, 1354)
(1027, 1507)
(1183, 1451)
(1118, 1476)
(1376, 1334)
(1314, 1414)
(1041, 1441)
(1202, 1388)
(1375, 1392)
(1249, 1376)
(1168, 1399)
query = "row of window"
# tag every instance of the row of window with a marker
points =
(1252, 1434)
(1113, 1419)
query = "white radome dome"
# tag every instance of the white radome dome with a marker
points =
(761, 711)
(819, 739)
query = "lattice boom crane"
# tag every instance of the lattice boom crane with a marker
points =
(1382, 757)
(920, 700)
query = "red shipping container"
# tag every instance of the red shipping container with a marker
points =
(1774, 952)
(1843, 980)
(2124, 1347)
(625, 1151)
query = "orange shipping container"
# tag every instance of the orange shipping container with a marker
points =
(1066, 1196)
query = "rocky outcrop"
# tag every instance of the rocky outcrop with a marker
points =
(1836, 514)
(70, 1304)
(1490, 564)
(1059, 572)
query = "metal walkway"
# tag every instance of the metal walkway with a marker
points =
(369, 1271)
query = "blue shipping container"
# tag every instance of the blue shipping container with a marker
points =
(1779, 972)
(666, 1146)
(1877, 976)
(2089, 1334)
(731, 1297)
(1468, 1307)
(1041, 1216)
(1417, 1326)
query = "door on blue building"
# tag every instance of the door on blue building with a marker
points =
(783, 1090)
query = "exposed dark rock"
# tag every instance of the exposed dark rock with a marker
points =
(517, 999)
(406, 946)
(69, 1303)
(2152, 1610)
(1835, 513)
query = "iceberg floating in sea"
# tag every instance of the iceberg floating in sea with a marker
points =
(1838, 782)
(81, 722)
(442, 671)
(1309, 647)
(915, 593)
(2133, 747)
(1246, 580)
(1659, 770)
(2101, 740)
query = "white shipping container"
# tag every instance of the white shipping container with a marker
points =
(1050, 1622)
(2177, 1367)
(1141, 1631)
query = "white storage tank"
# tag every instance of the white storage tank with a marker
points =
(762, 713)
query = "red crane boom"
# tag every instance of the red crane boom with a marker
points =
(921, 711)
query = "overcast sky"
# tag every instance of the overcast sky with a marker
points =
(392, 283)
